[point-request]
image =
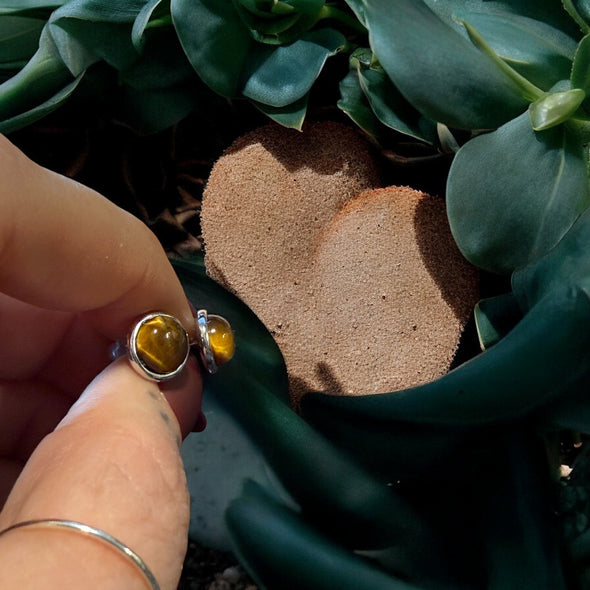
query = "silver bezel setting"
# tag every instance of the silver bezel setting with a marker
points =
(205, 351)
(135, 359)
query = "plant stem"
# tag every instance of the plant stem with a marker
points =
(571, 10)
(164, 21)
(331, 12)
(529, 90)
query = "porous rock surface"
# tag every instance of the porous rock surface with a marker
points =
(362, 287)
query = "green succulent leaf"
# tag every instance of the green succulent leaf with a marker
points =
(567, 266)
(279, 76)
(31, 8)
(520, 471)
(514, 193)
(107, 41)
(101, 11)
(539, 52)
(385, 100)
(580, 76)
(278, 23)
(579, 10)
(41, 86)
(272, 541)
(535, 39)
(543, 12)
(495, 317)
(162, 64)
(291, 115)
(275, 544)
(34, 114)
(150, 110)
(554, 108)
(469, 91)
(215, 41)
(141, 22)
(358, 7)
(527, 89)
(19, 40)
(355, 104)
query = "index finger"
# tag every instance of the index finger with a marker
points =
(65, 247)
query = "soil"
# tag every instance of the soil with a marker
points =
(207, 569)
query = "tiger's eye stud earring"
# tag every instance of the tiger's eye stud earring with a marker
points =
(158, 345)
(216, 340)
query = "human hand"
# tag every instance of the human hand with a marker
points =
(75, 273)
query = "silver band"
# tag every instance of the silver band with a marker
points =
(205, 350)
(99, 534)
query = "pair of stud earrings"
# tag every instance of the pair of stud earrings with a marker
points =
(159, 346)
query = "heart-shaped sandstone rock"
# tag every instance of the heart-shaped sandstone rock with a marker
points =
(363, 289)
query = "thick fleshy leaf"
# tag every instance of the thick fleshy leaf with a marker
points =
(19, 39)
(358, 7)
(30, 8)
(355, 104)
(279, 76)
(539, 52)
(215, 41)
(389, 106)
(276, 545)
(555, 108)
(103, 11)
(548, 12)
(521, 542)
(579, 10)
(580, 77)
(101, 28)
(495, 317)
(567, 266)
(279, 23)
(106, 41)
(43, 109)
(467, 91)
(568, 412)
(253, 388)
(162, 63)
(141, 22)
(150, 110)
(514, 193)
(44, 78)
(291, 115)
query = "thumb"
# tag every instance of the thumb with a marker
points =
(113, 463)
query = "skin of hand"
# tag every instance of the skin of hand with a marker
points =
(83, 438)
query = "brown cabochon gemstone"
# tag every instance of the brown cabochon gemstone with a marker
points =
(221, 339)
(161, 344)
